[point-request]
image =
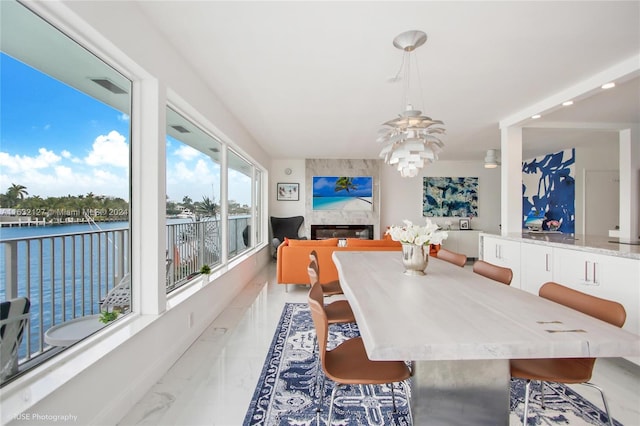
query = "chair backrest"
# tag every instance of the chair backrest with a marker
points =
(288, 227)
(313, 272)
(603, 309)
(313, 257)
(458, 259)
(495, 272)
(319, 316)
(14, 317)
(119, 296)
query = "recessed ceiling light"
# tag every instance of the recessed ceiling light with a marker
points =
(608, 85)
(567, 103)
(536, 116)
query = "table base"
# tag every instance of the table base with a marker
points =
(468, 392)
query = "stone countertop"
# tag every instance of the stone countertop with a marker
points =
(587, 243)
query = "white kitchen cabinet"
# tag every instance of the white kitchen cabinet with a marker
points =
(537, 266)
(465, 242)
(504, 253)
(608, 277)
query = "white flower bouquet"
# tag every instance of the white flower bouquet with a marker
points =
(415, 234)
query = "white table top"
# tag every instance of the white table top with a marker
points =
(453, 314)
(69, 332)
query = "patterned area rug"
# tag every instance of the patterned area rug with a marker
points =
(291, 381)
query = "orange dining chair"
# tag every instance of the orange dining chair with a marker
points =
(458, 259)
(347, 363)
(567, 370)
(495, 272)
(330, 288)
(338, 312)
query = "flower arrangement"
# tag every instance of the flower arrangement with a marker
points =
(415, 234)
(553, 225)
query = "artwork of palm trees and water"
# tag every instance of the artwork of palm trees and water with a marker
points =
(343, 193)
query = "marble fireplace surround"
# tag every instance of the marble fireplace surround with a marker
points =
(342, 167)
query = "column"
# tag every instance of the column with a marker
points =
(511, 180)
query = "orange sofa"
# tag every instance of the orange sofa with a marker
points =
(293, 257)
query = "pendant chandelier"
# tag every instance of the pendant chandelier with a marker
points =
(410, 140)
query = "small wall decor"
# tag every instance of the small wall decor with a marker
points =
(464, 224)
(343, 193)
(450, 196)
(288, 192)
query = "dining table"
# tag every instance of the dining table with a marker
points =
(460, 329)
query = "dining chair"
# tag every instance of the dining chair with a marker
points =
(567, 370)
(338, 312)
(329, 288)
(14, 317)
(495, 272)
(458, 259)
(347, 363)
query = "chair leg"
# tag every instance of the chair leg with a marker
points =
(393, 398)
(604, 400)
(333, 395)
(407, 393)
(525, 414)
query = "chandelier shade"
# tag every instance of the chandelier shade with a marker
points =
(410, 141)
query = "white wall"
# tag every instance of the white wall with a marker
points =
(402, 197)
(287, 208)
(601, 156)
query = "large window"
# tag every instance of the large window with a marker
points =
(193, 200)
(64, 178)
(240, 190)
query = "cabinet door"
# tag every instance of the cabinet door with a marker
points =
(537, 267)
(503, 253)
(608, 277)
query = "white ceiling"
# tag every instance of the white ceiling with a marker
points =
(311, 79)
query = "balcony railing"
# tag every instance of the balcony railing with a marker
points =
(65, 276)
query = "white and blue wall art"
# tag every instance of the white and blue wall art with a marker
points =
(450, 196)
(548, 190)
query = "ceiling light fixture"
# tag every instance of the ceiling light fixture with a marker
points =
(608, 85)
(409, 140)
(567, 103)
(491, 159)
(536, 116)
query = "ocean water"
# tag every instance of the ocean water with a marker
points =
(341, 203)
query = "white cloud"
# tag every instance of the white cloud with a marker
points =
(110, 150)
(187, 153)
(23, 163)
(65, 153)
(123, 117)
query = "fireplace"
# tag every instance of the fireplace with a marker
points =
(321, 232)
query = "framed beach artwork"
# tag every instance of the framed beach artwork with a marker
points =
(288, 192)
(450, 196)
(343, 193)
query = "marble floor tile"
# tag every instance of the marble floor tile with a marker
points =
(214, 380)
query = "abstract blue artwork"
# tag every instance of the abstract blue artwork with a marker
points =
(450, 196)
(548, 189)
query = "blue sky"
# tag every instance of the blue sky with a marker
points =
(56, 141)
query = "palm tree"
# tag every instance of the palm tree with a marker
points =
(344, 183)
(14, 193)
(207, 206)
